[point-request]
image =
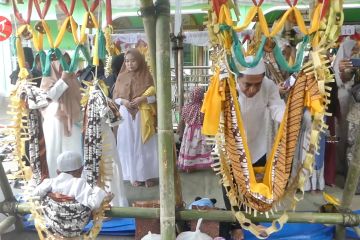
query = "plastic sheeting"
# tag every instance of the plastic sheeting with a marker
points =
(299, 231)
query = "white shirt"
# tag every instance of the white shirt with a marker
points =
(70, 186)
(253, 115)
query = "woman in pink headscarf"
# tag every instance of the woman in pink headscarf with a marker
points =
(194, 153)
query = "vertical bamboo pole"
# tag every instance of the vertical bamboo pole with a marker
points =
(7, 192)
(351, 183)
(165, 130)
(149, 20)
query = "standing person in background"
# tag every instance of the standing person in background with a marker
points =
(348, 77)
(194, 153)
(116, 65)
(62, 116)
(344, 79)
(134, 91)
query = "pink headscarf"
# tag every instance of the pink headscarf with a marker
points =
(191, 112)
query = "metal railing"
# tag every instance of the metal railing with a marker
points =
(192, 76)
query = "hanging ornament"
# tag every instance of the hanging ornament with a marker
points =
(90, 23)
(269, 45)
(26, 34)
(40, 28)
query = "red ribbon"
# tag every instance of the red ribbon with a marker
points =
(108, 12)
(217, 5)
(42, 13)
(18, 14)
(325, 8)
(93, 5)
(257, 4)
(246, 38)
(62, 5)
(290, 4)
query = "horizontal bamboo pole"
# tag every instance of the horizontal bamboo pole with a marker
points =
(214, 215)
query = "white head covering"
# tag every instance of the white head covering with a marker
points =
(69, 161)
(258, 69)
(344, 51)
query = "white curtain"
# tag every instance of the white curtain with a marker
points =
(6, 67)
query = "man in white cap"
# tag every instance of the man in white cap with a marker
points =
(70, 184)
(257, 94)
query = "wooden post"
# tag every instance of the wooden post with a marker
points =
(149, 20)
(165, 129)
(351, 183)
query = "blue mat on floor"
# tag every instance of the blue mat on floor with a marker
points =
(299, 231)
(112, 227)
(350, 233)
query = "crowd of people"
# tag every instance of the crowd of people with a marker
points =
(131, 86)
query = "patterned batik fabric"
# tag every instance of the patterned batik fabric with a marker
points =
(36, 99)
(278, 167)
(65, 219)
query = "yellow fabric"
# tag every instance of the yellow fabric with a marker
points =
(104, 87)
(254, 186)
(96, 50)
(83, 28)
(48, 34)
(61, 33)
(268, 176)
(314, 105)
(315, 22)
(212, 105)
(248, 19)
(74, 29)
(23, 73)
(225, 15)
(147, 115)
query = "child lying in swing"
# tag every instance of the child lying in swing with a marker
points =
(68, 198)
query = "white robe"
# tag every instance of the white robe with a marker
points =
(139, 161)
(253, 113)
(55, 140)
(116, 185)
(68, 185)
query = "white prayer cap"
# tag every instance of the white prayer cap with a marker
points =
(69, 161)
(258, 69)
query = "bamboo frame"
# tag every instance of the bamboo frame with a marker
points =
(165, 129)
(347, 219)
(351, 183)
(149, 26)
(8, 194)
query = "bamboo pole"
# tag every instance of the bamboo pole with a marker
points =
(348, 219)
(149, 20)
(6, 224)
(351, 183)
(165, 129)
(7, 192)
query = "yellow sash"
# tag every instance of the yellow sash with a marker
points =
(148, 115)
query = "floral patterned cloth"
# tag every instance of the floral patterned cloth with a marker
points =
(194, 152)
